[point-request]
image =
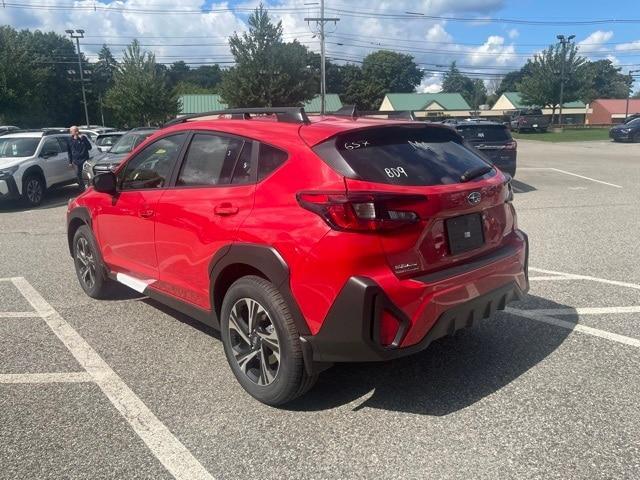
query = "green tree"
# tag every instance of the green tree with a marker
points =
(381, 72)
(636, 95)
(139, 95)
(542, 86)
(102, 75)
(511, 81)
(602, 79)
(268, 72)
(456, 82)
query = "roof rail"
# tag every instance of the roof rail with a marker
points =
(53, 131)
(353, 112)
(283, 114)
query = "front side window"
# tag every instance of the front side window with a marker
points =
(50, 147)
(210, 160)
(152, 166)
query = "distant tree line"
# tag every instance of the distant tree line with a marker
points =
(39, 78)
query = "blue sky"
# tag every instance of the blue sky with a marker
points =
(486, 49)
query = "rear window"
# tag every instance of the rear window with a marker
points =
(407, 155)
(484, 133)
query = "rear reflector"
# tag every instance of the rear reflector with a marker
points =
(512, 145)
(362, 211)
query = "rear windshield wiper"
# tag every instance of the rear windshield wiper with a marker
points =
(475, 173)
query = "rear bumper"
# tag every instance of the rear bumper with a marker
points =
(349, 332)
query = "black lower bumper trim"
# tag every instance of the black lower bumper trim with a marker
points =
(346, 335)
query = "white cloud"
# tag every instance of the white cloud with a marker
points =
(438, 34)
(513, 33)
(595, 43)
(431, 84)
(493, 52)
(635, 45)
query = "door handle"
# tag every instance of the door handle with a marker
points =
(225, 209)
(148, 213)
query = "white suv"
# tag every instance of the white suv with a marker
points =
(31, 162)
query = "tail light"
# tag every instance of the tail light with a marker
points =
(362, 212)
(512, 145)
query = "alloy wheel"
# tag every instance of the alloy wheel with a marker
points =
(254, 341)
(86, 263)
(34, 191)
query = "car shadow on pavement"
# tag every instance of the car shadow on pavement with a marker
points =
(451, 374)
(521, 187)
(55, 197)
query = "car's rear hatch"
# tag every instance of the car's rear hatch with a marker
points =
(411, 180)
(494, 141)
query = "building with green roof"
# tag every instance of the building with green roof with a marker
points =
(513, 101)
(427, 104)
(200, 103)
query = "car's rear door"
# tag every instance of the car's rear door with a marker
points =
(125, 221)
(212, 194)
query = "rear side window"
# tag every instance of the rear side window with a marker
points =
(484, 133)
(407, 155)
(210, 160)
(270, 158)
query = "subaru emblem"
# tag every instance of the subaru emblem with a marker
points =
(474, 198)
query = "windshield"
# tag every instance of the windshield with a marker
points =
(18, 147)
(128, 142)
(634, 122)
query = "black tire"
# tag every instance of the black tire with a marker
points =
(91, 272)
(33, 190)
(272, 316)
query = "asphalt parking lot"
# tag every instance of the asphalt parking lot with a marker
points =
(550, 389)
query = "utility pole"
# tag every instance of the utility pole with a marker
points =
(78, 34)
(631, 72)
(321, 21)
(564, 41)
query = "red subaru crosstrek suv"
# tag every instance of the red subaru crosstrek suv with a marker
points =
(307, 240)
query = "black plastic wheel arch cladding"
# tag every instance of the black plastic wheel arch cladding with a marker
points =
(264, 259)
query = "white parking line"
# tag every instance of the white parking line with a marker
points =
(585, 310)
(596, 332)
(572, 174)
(586, 178)
(587, 277)
(163, 444)
(62, 377)
(18, 314)
(553, 277)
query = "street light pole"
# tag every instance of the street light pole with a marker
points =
(78, 34)
(631, 72)
(564, 41)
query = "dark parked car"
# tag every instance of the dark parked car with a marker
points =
(493, 140)
(106, 140)
(118, 152)
(627, 132)
(529, 119)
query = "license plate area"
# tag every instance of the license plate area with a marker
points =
(464, 233)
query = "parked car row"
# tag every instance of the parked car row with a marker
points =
(33, 161)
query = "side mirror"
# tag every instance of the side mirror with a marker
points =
(105, 183)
